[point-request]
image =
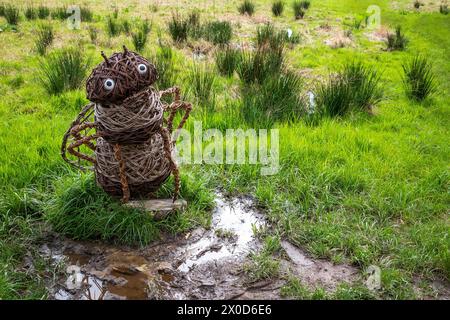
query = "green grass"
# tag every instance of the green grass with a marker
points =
(227, 60)
(43, 12)
(218, 32)
(44, 38)
(30, 13)
(419, 79)
(277, 8)
(12, 15)
(112, 26)
(178, 28)
(247, 7)
(63, 70)
(365, 189)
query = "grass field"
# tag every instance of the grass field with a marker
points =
(366, 187)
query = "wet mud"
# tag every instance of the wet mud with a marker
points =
(202, 264)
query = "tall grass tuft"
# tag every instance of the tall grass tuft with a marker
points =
(44, 38)
(364, 84)
(30, 13)
(247, 7)
(43, 12)
(165, 64)
(112, 26)
(59, 13)
(202, 79)
(299, 9)
(355, 88)
(419, 79)
(178, 28)
(139, 40)
(443, 8)
(258, 65)
(277, 8)
(146, 26)
(227, 60)
(195, 27)
(63, 70)
(276, 99)
(305, 4)
(2, 9)
(218, 32)
(126, 27)
(93, 34)
(397, 40)
(12, 15)
(86, 14)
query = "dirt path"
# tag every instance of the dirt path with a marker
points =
(203, 264)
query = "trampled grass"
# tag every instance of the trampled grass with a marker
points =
(365, 188)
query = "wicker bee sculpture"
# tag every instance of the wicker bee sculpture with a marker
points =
(123, 134)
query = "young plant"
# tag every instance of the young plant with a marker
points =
(86, 14)
(277, 8)
(397, 40)
(276, 99)
(202, 79)
(12, 15)
(419, 79)
(112, 27)
(218, 32)
(30, 13)
(364, 84)
(93, 34)
(259, 65)
(59, 13)
(63, 70)
(43, 12)
(226, 61)
(139, 40)
(44, 38)
(178, 28)
(299, 9)
(247, 7)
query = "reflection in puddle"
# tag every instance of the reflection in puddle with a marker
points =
(197, 266)
(234, 218)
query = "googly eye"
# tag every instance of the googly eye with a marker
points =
(109, 84)
(142, 68)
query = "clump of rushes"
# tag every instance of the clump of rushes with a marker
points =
(218, 32)
(93, 34)
(443, 8)
(43, 12)
(255, 67)
(12, 15)
(305, 4)
(299, 9)
(227, 60)
(202, 79)
(277, 8)
(146, 26)
(86, 14)
(194, 18)
(247, 7)
(397, 40)
(140, 37)
(112, 26)
(63, 70)
(178, 28)
(44, 38)
(30, 13)
(165, 64)
(268, 36)
(126, 27)
(355, 87)
(417, 4)
(2, 9)
(364, 83)
(59, 13)
(419, 79)
(276, 99)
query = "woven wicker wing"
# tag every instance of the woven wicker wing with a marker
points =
(78, 145)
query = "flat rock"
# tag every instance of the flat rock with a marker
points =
(160, 208)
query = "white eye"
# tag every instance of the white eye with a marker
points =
(142, 68)
(109, 84)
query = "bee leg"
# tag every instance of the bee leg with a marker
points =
(173, 165)
(123, 177)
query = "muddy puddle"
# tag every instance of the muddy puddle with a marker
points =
(202, 264)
